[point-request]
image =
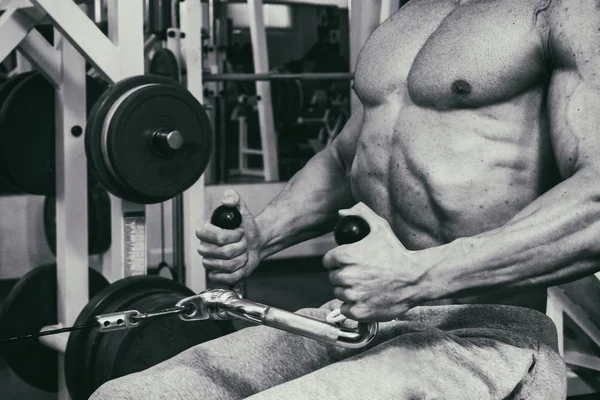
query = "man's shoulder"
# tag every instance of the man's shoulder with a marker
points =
(572, 29)
(572, 16)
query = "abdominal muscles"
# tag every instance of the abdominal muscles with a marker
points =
(440, 175)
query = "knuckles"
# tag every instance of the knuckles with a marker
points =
(225, 266)
(356, 313)
(227, 253)
(345, 294)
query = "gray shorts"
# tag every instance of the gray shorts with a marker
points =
(453, 352)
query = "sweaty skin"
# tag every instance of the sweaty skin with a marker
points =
(477, 140)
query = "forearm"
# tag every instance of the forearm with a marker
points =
(308, 205)
(553, 240)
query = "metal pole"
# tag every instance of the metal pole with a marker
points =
(330, 76)
(178, 239)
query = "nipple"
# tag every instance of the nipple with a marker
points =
(461, 87)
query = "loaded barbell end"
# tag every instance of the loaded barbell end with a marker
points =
(165, 141)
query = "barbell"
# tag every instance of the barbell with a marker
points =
(147, 138)
(269, 76)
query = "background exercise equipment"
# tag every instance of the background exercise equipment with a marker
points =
(93, 358)
(148, 139)
(27, 131)
(99, 224)
(164, 63)
(31, 305)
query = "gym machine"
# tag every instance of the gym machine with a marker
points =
(147, 139)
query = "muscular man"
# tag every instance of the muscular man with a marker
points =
(475, 159)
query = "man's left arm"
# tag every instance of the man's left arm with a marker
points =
(557, 237)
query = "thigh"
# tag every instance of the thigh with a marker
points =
(428, 363)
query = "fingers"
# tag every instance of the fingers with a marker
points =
(231, 198)
(363, 211)
(225, 252)
(227, 266)
(226, 278)
(346, 294)
(221, 237)
(341, 277)
(354, 311)
(337, 257)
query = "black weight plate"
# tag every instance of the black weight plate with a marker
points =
(126, 352)
(94, 89)
(11, 83)
(27, 135)
(94, 128)
(93, 357)
(31, 305)
(164, 63)
(145, 171)
(81, 345)
(102, 237)
(99, 223)
(5, 90)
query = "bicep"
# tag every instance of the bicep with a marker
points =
(574, 113)
(574, 92)
(344, 145)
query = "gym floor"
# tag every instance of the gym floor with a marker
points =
(287, 284)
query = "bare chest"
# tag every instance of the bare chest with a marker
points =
(447, 55)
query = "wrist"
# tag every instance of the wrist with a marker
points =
(436, 280)
(264, 233)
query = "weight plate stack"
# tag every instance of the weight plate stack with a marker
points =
(99, 222)
(27, 131)
(148, 139)
(93, 358)
(31, 305)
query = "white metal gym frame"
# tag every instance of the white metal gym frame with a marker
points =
(119, 56)
(191, 17)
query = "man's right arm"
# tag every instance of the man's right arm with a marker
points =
(308, 205)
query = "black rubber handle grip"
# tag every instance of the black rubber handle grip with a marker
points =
(226, 217)
(351, 229)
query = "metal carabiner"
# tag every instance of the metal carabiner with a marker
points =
(219, 304)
